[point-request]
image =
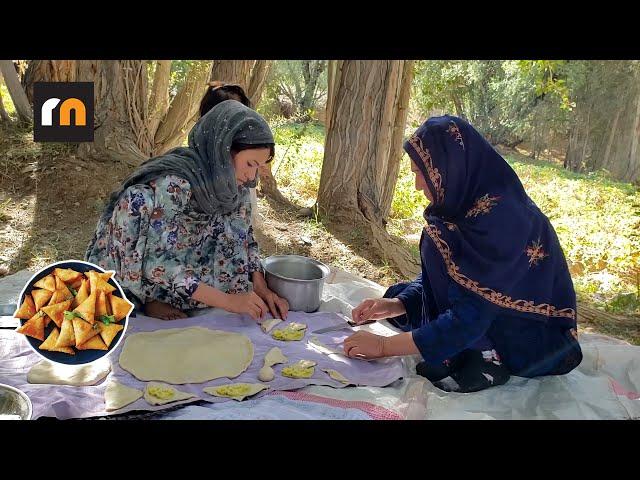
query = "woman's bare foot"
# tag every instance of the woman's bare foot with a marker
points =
(163, 311)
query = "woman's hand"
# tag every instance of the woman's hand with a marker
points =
(377, 309)
(278, 306)
(365, 345)
(246, 303)
(163, 311)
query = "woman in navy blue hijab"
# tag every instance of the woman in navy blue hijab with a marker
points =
(495, 297)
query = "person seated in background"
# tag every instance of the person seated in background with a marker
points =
(495, 297)
(178, 232)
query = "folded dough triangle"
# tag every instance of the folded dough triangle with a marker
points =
(27, 309)
(117, 396)
(120, 307)
(83, 331)
(102, 304)
(51, 343)
(109, 332)
(67, 337)
(94, 343)
(82, 295)
(88, 308)
(98, 283)
(157, 393)
(59, 283)
(61, 296)
(48, 283)
(51, 340)
(56, 312)
(336, 375)
(34, 327)
(67, 275)
(237, 391)
(76, 283)
(41, 297)
(107, 275)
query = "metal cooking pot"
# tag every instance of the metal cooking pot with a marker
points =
(14, 404)
(298, 279)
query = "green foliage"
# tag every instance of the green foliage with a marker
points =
(548, 79)
(407, 202)
(508, 101)
(6, 100)
(595, 222)
(179, 70)
(624, 303)
(303, 83)
(298, 160)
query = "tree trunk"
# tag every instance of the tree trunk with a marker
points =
(634, 161)
(3, 113)
(268, 185)
(334, 77)
(458, 106)
(366, 110)
(312, 69)
(159, 97)
(233, 71)
(183, 112)
(47, 71)
(259, 74)
(18, 96)
(21, 68)
(605, 128)
(120, 88)
(612, 134)
(605, 322)
(395, 154)
(578, 139)
(585, 144)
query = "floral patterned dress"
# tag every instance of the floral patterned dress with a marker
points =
(162, 246)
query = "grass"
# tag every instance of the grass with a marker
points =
(298, 161)
(596, 221)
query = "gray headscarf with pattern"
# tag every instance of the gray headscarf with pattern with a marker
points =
(206, 163)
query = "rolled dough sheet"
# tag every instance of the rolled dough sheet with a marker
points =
(76, 375)
(186, 355)
(117, 396)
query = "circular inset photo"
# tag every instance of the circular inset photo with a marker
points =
(73, 312)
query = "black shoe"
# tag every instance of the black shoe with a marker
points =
(432, 372)
(477, 374)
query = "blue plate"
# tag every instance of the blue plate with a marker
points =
(82, 356)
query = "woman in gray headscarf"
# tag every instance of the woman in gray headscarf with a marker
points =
(178, 232)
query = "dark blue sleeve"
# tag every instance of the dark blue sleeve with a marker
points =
(410, 294)
(454, 330)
